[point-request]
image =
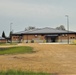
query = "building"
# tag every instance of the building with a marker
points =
(44, 35)
(2, 40)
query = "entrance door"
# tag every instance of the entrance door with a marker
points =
(51, 38)
(48, 39)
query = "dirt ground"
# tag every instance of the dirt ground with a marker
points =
(51, 58)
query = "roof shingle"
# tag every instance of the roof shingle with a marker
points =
(44, 31)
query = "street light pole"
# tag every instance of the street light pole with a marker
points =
(11, 27)
(67, 26)
(11, 31)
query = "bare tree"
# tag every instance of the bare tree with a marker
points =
(61, 27)
(29, 28)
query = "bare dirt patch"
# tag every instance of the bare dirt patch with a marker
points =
(52, 58)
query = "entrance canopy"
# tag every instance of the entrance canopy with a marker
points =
(52, 35)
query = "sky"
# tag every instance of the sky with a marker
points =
(20, 14)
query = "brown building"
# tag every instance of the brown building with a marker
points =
(44, 35)
(2, 40)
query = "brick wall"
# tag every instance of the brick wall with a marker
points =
(15, 38)
(41, 38)
(2, 40)
(64, 37)
(36, 38)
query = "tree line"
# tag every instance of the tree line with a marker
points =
(61, 27)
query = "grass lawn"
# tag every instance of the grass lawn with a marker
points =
(16, 50)
(11, 72)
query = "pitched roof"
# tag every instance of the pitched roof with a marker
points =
(46, 30)
(1, 38)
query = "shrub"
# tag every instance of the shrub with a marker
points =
(32, 41)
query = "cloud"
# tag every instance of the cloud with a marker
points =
(21, 9)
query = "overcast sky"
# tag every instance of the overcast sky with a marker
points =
(38, 13)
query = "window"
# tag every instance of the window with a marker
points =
(13, 37)
(62, 34)
(73, 37)
(36, 36)
(65, 34)
(42, 35)
(70, 37)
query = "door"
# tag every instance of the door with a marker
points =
(51, 38)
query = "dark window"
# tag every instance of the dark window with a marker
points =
(73, 37)
(14, 37)
(42, 35)
(70, 37)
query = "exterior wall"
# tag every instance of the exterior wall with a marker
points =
(64, 38)
(15, 38)
(35, 38)
(41, 38)
(2, 40)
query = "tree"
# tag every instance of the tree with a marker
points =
(61, 27)
(29, 28)
(3, 34)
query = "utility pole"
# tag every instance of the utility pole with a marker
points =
(11, 31)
